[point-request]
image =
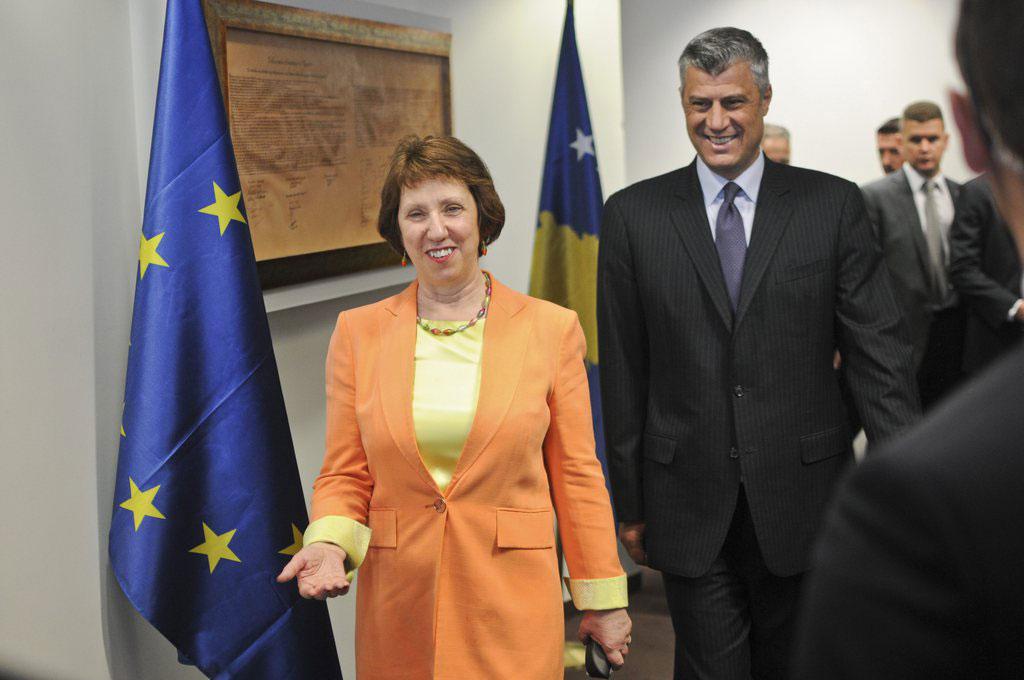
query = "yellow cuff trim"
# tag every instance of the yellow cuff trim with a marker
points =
(598, 593)
(344, 532)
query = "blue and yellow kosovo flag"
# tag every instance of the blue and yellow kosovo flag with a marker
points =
(564, 268)
(208, 505)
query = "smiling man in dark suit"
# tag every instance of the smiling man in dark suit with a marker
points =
(912, 210)
(724, 289)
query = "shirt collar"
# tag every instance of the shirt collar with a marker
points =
(917, 180)
(711, 184)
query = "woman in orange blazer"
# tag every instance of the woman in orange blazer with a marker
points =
(451, 448)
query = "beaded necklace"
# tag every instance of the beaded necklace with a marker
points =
(469, 324)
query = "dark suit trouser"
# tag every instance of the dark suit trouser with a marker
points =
(941, 367)
(736, 621)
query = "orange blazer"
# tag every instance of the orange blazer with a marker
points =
(464, 585)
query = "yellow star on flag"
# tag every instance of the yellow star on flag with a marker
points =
(224, 207)
(141, 503)
(215, 547)
(296, 545)
(148, 254)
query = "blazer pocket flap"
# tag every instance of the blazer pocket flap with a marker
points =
(799, 271)
(383, 528)
(824, 444)
(658, 448)
(525, 529)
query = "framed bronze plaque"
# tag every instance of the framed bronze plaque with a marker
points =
(316, 103)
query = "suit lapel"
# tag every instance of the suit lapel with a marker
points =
(690, 218)
(771, 216)
(397, 369)
(505, 343)
(910, 217)
(954, 191)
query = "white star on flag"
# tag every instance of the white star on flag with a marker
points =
(584, 144)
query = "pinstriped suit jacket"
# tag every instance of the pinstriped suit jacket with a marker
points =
(697, 398)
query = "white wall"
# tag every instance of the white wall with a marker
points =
(70, 214)
(838, 70)
(79, 83)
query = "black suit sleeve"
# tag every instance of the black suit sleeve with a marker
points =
(871, 334)
(975, 217)
(624, 367)
(883, 599)
(871, 205)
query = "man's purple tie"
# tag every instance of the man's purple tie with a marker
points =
(731, 242)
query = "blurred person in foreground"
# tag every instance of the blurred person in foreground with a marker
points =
(889, 145)
(458, 427)
(918, 571)
(776, 144)
(724, 288)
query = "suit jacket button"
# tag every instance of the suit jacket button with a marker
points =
(738, 390)
(439, 505)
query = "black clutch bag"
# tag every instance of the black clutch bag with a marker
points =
(597, 663)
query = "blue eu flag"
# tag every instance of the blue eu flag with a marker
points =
(564, 266)
(208, 505)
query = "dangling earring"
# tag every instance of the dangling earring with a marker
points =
(405, 260)
(483, 249)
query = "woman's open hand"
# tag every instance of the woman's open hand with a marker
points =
(611, 629)
(320, 568)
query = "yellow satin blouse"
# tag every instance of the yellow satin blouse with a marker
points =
(444, 394)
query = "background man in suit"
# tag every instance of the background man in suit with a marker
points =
(912, 211)
(986, 273)
(889, 145)
(723, 289)
(918, 571)
(775, 143)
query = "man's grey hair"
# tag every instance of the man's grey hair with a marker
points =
(715, 50)
(772, 130)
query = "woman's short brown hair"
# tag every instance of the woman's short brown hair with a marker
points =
(418, 159)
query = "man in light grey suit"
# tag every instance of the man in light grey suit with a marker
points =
(912, 210)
